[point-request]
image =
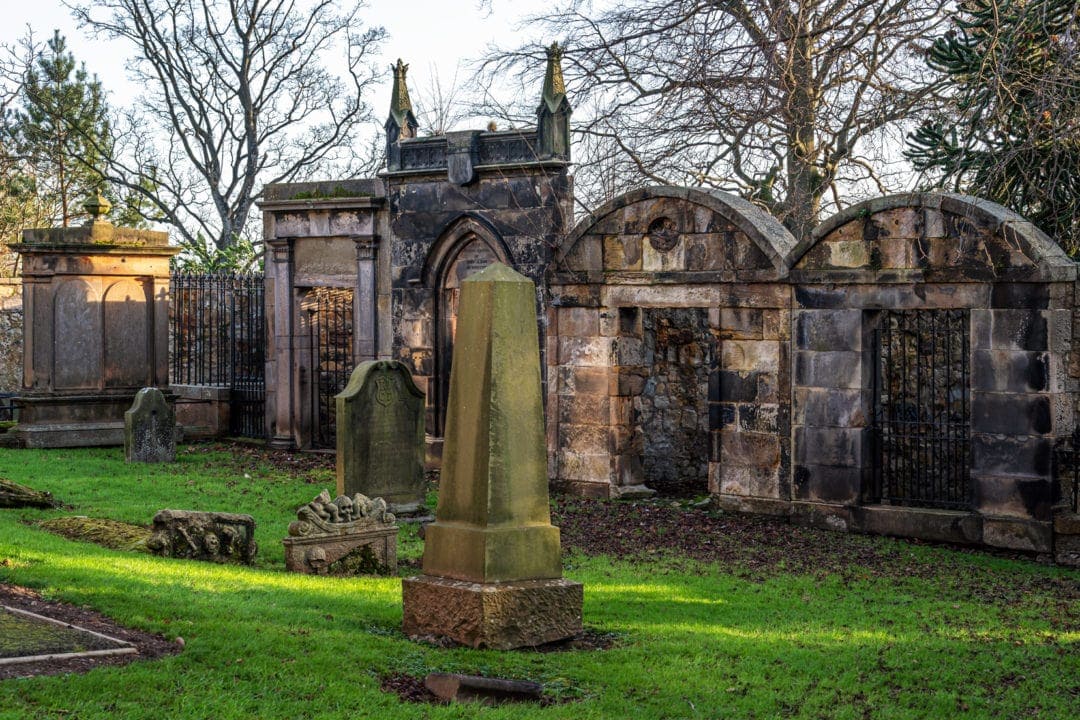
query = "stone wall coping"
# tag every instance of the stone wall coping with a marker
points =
(765, 231)
(1052, 261)
(503, 169)
(323, 192)
(93, 249)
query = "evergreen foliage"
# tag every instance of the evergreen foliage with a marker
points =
(1010, 128)
(60, 134)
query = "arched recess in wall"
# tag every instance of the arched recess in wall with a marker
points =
(467, 245)
(127, 335)
(77, 319)
(671, 306)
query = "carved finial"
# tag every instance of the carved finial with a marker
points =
(98, 207)
(553, 115)
(554, 85)
(401, 111)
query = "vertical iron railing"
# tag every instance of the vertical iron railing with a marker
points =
(1067, 471)
(921, 409)
(7, 407)
(218, 338)
(333, 358)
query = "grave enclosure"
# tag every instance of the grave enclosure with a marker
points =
(907, 368)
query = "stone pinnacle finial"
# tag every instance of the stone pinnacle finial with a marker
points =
(553, 114)
(400, 105)
(554, 85)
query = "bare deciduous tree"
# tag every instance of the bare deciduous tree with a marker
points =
(784, 102)
(239, 93)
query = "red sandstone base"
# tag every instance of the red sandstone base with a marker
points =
(500, 616)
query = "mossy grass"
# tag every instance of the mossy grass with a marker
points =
(692, 640)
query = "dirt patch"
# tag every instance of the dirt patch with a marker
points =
(759, 548)
(149, 646)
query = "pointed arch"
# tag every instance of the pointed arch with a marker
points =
(464, 245)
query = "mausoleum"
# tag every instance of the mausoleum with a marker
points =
(907, 368)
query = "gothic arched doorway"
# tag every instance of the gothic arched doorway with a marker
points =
(465, 248)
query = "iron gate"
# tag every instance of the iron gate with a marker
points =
(218, 338)
(1067, 471)
(921, 408)
(330, 315)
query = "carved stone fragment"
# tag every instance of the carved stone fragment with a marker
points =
(343, 536)
(212, 536)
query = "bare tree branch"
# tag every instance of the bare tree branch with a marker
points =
(239, 94)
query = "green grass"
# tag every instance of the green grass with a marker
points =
(694, 641)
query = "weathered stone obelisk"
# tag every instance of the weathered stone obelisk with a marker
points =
(492, 571)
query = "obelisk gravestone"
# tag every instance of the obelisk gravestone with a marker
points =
(492, 568)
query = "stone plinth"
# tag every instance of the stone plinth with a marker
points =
(345, 536)
(380, 436)
(492, 567)
(96, 329)
(499, 616)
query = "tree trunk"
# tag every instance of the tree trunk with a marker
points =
(13, 495)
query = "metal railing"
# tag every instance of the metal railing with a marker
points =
(218, 338)
(921, 408)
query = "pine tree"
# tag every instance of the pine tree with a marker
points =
(61, 131)
(1010, 129)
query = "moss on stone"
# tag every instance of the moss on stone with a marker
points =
(107, 533)
(338, 191)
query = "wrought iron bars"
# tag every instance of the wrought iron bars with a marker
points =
(330, 312)
(218, 338)
(1067, 471)
(921, 409)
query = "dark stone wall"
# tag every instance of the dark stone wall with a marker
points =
(680, 352)
(524, 211)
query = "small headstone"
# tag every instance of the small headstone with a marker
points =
(14, 495)
(150, 428)
(213, 536)
(380, 436)
(343, 536)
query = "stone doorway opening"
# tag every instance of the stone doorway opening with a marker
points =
(332, 352)
(922, 418)
(680, 350)
(473, 254)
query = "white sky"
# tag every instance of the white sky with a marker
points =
(424, 33)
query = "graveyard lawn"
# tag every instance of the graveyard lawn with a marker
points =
(711, 615)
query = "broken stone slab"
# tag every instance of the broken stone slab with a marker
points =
(452, 686)
(150, 428)
(211, 536)
(343, 536)
(14, 495)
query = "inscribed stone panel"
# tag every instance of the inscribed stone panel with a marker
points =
(77, 337)
(127, 332)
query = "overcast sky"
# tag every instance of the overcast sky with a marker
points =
(425, 33)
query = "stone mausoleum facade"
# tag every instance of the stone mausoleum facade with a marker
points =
(905, 369)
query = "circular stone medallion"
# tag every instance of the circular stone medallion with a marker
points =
(663, 234)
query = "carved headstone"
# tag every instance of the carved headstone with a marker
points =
(380, 436)
(213, 536)
(492, 569)
(150, 428)
(343, 536)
